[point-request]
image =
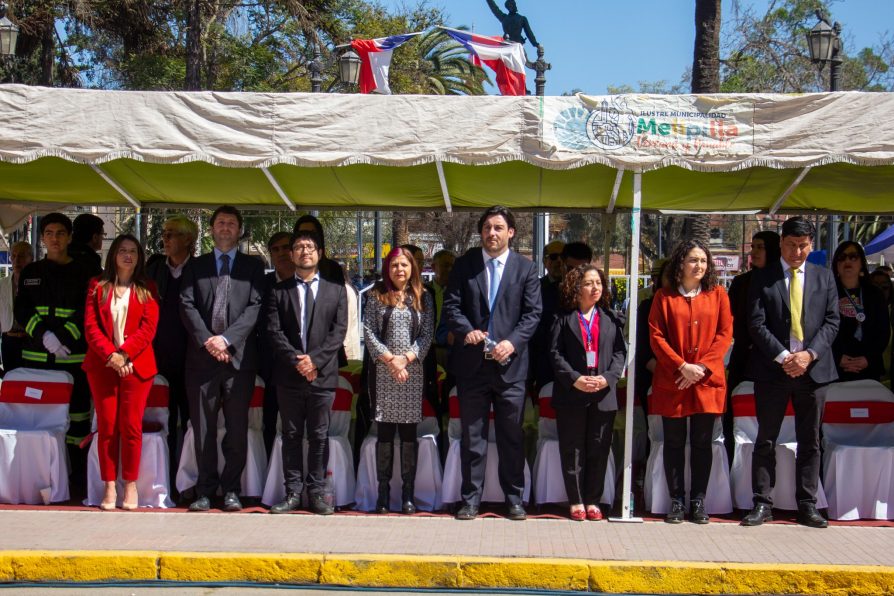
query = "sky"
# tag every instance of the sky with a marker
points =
(596, 43)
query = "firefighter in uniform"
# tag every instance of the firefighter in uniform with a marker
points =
(50, 304)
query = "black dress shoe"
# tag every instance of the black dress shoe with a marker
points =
(759, 514)
(467, 512)
(408, 507)
(231, 502)
(320, 506)
(677, 512)
(698, 515)
(291, 503)
(810, 517)
(517, 512)
(200, 504)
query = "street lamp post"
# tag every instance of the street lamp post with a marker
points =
(9, 34)
(824, 44)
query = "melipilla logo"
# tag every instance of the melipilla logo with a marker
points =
(611, 126)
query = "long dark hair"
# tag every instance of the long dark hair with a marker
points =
(836, 258)
(675, 264)
(386, 292)
(109, 276)
(569, 289)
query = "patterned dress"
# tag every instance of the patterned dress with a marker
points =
(398, 402)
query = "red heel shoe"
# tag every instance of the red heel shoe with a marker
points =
(594, 513)
(578, 514)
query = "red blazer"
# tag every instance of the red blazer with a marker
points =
(139, 331)
(696, 331)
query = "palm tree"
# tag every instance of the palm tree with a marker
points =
(445, 67)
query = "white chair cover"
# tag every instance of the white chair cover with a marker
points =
(33, 422)
(452, 486)
(744, 433)
(255, 460)
(153, 484)
(340, 469)
(549, 484)
(428, 484)
(718, 499)
(858, 462)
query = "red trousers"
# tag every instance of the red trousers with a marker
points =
(119, 407)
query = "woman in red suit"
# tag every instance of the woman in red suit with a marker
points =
(691, 328)
(119, 325)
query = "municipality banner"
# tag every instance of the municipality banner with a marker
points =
(650, 125)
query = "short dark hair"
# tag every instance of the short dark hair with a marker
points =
(85, 226)
(497, 210)
(771, 244)
(580, 251)
(569, 288)
(413, 249)
(798, 226)
(278, 237)
(675, 264)
(308, 218)
(442, 253)
(55, 218)
(305, 235)
(228, 210)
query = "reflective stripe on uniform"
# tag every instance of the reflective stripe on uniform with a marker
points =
(64, 312)
(79, 416)
(71, 359)
(72, 440)
(73, 330)
(32, 323)
(43, 310)
(34, 356)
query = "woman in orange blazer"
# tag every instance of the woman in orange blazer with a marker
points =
(691, 328)
(119, 325)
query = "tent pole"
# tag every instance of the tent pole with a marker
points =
(111, 182)
(279, 190)
(632, 292)
(442, 180)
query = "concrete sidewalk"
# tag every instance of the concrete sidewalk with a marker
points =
(396, 551)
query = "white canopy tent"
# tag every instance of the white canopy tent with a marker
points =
(831, 152)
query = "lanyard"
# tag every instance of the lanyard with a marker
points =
(861, 316)
(589, 335)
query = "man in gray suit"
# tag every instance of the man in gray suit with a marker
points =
(220, 298)
(306, 319)
(793, 319)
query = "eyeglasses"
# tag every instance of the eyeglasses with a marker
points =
(848, 256)
(304, 248)
(554, 256)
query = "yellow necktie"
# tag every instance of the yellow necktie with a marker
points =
(796, 296)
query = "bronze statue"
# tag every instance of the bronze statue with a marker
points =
(513, 23)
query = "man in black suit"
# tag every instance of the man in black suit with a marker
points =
(306, 317)
(793, 319)
(492, 308)
(220, 298)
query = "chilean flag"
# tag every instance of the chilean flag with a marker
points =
(506, 58)
(375, 59)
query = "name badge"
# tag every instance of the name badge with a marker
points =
(591, 359)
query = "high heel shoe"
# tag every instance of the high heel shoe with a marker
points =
(109, 498)
(594, 513)
(131, 499)
(578, 514)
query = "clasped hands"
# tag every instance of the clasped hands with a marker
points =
(501, 352)
(690, 374)
(590, 384)
(853, 364)
(217, 347)
(796, 363)
(397, 366)
(120, 363)
(305, 367)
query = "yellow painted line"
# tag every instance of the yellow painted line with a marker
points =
(405, 571)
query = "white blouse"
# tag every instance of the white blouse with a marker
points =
(119, 314)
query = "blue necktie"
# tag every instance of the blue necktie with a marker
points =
(495, 274)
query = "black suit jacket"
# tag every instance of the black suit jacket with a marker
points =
(769, 322)
(738, 303)
(569, 359)
(327, 332)
(516, 313)
(198, 284)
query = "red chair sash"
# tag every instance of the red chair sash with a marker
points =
(546, 408)
(858, 412)
(744, 407)
(33, 393)
(257, 397)
(427, 410)
(343, 399)
(159, 396)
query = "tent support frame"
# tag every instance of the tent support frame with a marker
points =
(443, 180)
(118, 188)
(275, 184)
(788, 191)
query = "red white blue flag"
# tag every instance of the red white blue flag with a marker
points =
(375, 60)
(506, 58)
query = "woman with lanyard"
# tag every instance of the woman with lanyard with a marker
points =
(865, 324)
(588, 358)
(691, 329)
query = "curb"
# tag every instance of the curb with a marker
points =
(396, 571)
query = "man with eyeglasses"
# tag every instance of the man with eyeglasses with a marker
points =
(50, 304)
(306, 320)
(179, 236)
(220, 298)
